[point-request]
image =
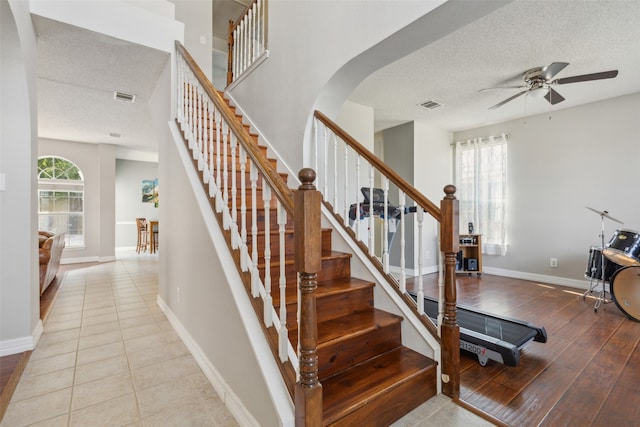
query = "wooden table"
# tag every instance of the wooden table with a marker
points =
(153, 225)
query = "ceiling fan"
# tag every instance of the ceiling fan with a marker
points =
(538, 81)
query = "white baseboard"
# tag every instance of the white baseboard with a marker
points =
(20, 345)
(552, 280)
(82, 260)
(230, 399)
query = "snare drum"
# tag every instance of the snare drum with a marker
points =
(625, 290)
(594, 265)
(624, 248)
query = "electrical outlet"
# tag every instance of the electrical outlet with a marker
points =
(553, 262)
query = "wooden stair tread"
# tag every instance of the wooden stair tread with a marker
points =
(327, 256)
(346, 327)
(325, 289)
(353, 388)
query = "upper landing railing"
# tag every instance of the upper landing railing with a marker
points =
(247, 40)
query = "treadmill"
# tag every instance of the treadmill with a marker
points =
(489, 336)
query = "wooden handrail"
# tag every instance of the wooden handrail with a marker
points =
(242, 15)
(275, 181)
(407, 188)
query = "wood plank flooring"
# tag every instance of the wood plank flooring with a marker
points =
(587, 374)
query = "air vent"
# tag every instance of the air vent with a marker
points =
(116, 135)
(430, 105)
(124, 97)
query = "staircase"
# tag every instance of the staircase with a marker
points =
(367, 375)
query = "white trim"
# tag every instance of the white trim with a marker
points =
(82, 260)
(20, 345)
(553, 280)
(278, 392)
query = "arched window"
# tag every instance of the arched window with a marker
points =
(61, 199)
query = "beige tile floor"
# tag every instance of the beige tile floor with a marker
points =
(109, 357)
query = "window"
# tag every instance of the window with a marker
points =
(61, 199)
(481, 182)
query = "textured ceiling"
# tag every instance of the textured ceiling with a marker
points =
(592, 36)
(78, 72)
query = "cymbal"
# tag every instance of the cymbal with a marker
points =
(604, 214)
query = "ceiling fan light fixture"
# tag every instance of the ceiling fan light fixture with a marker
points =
(538, 92)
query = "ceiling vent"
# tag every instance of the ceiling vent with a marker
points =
(116, 135)
(430, 105)
(124, 97)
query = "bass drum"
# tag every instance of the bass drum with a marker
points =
(624, 248)
(625, 290)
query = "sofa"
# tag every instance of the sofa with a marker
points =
(51, 246)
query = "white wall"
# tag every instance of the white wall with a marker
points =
(432, 169)
(198, 17)
(19, 309)
(129, 206)
(558, 164)
(196, 289)
(98, 165)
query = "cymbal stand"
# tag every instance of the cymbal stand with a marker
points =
(601, 295)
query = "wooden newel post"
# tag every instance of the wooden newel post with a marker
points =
(308, 250)
(230, 42)
(450, 242)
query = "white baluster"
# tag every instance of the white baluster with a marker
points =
(255, 276)
(357, 190)
(372, 228)
(218, 161)
(252, 34)
(236, 43)
(243, 210)
(259, 35)
(345, 173)
(268, 300)
(205, 140)
(180, 100)
(226, 218)
(420, 218)
(213, 188)
(335, 173)
(403, 271)
(284, 336)
(385, 232)
(325, 169)
(198, 155)
(235, 236)
(189, 113)
(315, 144)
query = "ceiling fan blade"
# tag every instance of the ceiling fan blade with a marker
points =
(553, 69)
(553, 97)
(502, 87)
(587, 77)
(500, 104)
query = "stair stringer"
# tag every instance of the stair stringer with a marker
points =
(273, 380)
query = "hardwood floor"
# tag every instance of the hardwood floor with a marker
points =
(586, 374)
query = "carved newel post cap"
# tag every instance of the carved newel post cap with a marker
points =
(307, 176)
(450, 190)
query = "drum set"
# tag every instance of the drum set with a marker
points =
(616, 263)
